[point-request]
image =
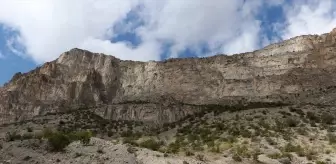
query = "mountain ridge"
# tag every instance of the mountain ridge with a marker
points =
(79, 78)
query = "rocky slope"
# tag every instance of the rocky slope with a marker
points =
(274, 105)
(296, 71)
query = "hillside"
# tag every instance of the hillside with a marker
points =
(274, 105)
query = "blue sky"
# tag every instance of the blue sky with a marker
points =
(11, 63)
(39, 31)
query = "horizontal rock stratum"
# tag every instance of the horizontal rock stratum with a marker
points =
(300, 70)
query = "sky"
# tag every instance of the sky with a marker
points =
(36, 31)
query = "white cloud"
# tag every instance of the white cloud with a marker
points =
(309, 17)
(193, 23)
(49, 27)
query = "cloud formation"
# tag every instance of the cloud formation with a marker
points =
(309, 17)
(46, 28)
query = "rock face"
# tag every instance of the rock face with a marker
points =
(300, 70)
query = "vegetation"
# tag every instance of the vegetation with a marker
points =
(83, 136)
(327, 118)
(12, 136)
(151, 144)
(237, 158)
(58, 141)
(331, 138)
(215, 129)
(293, 148)
(29, 129)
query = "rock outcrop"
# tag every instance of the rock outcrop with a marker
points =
(296, 71)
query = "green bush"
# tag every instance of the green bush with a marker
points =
(293, 148)
(47, 132)
(242, 151)
(130, 140)
(174, 147)
(151, 144)
(58, 141)
(275, 155)
(84, 137)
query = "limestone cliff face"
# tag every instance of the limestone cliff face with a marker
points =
(296, 71)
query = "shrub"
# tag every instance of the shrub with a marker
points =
(331, 138)
(292, 122)
(200, 157)
(215, 149)
(131, 150)
(27, 158)
(327, 118)
(275, 155)
(303, 131)
(256, 154)
(27, 136)
(293, 148)
(311, 155)
(270, 141)
(47, 132)
(12, 136)
(126, 134)
(151, 144)
(246, 133)
(38, 135)
(100, 150)
(77, 154)
(237, 158)
(192, 137)
(297, 110)
(174, 147)
(189, 153)
(84, 137)
(242, 151)
(312, 116)
(130, 140)
(58, 141)
(109, 133)
(29, 129)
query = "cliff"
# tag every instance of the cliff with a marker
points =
(296, 71)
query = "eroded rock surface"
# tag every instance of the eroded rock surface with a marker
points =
(296, 71)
